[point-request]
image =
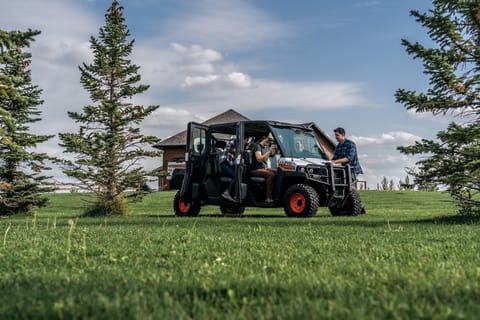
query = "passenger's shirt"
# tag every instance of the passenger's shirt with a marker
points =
(255, 163)
(228, 154)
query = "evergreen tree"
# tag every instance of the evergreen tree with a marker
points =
(406, 185)
(22, 182)
(109, 145)
(391, 185)
(453, 66)
(384, 184)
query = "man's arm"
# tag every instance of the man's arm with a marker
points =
(262, 157)
(350, 153)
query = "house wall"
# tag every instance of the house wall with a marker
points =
(172, 153)
(168, 155)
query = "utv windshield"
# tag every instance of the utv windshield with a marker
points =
(298, 143)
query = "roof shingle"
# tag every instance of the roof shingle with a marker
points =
(180, 139)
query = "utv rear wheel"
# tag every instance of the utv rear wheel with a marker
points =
(185, 208)
(300, 200)
(232, 209)
(353, 206)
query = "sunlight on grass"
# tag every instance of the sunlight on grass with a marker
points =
(401, 260)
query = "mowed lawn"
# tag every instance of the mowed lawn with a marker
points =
(410, 257)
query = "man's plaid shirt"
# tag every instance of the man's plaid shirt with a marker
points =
(348, 149)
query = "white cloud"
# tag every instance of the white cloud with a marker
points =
(170, 120)
(195, 58)
(264, 93)
(176, 66)
(393, 137)
(199, 81)
(380, 158)
(240, 80)
(57, 52)
(225, 24)
(197, 52)
(208, 80)
(460, 116)
(216, 82)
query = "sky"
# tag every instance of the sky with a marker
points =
(337, 63)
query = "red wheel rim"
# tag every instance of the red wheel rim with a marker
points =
(297, 203)
(182, 206)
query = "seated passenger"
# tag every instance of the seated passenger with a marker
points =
(300, 150)
(227, 166)
(259, 166)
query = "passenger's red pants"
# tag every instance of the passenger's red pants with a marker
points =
(269, 175)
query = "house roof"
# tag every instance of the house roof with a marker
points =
(180, 139)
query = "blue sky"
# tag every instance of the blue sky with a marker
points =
(337, 63)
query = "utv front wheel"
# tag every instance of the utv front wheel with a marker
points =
(185, 208)
(300, 200)
(352, 206)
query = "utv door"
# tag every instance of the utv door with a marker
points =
(196, 156)
(240, 185)
(237, 207)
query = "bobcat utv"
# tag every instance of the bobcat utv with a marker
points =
(305, 178)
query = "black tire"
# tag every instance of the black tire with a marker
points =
(352, 207)
(300, 200)
(232, 209)
(185, 209)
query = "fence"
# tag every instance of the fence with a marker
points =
(77, 187)
(361, 185)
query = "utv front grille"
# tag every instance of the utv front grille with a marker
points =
(317, 173)
(339, 176)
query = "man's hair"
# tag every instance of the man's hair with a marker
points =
(339, 130)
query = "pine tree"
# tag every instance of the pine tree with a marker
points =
(391, 185)
(22, 182)
(384, 184)
(406, 185)
(109, 145)
(453, 66)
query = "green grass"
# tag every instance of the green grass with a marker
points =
(410, 257)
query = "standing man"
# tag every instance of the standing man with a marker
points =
(346, 151)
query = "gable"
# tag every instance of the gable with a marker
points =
(180, 139)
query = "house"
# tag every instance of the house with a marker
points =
(174, 147)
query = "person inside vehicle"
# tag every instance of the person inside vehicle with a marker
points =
(301, 150)
(259, 166)
(227, 166)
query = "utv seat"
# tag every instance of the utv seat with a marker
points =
(249, 160)
(256, 179)
(219, 148)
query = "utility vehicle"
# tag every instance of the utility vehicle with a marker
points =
(305, 178)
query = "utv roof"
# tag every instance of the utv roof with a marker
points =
(252, 125)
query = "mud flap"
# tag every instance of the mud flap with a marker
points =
(243, 191)
(195, 190)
